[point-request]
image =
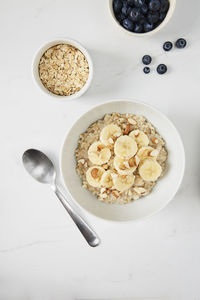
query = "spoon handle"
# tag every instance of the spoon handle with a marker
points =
(90, 236)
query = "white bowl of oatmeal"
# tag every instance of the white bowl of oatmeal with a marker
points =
(63, 69)
(123, 161)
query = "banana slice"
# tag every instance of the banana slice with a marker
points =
(94, 175)
(109, 134)
(140, 137)
(124, 166)
(125, 147)
(147, 152)
(123, 182)
(98, 154)
(106, 179)
(150, 170)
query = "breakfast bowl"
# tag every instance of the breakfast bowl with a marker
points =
(161, 194)
(142, 27)
(63, 69)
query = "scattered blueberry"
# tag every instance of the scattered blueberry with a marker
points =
(146, 59)
(146, 70)
(144, 9)
(154, 5)
(135, 14)
(161, 69)
(139, 3)
(148, 26)
(117, 6)
(138, 28)
(181, 43)
(164, 6)
(153, 17)
(130, 2)
(167, 46)
(128, 24)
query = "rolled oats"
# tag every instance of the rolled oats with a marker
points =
(63, 70)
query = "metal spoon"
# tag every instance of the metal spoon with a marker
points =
(40, 167)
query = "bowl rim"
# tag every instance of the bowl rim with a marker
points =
(131, 101)
(158, 28)
(38, 54)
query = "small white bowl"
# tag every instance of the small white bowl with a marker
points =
(164, 22)
(161, 194)
(50, 44)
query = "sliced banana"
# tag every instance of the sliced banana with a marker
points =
(123, 182)
(98, 154)
(124, 166)
(140, 137)
(106, 179)
(147, 152)
(94, 175)
(109, 134)
(125, 147)
(150, 170)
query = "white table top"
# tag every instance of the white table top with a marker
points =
(42, 254)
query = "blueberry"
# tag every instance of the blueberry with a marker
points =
(125, 5)
(161, 69)
(167, 46)
(153, 17)
(164, 5)
(158, 24)
(139, 3)
(144, 9)
(146, 70)
(131, 2)
(181, 43)
(138, 28)
(148, 27)
(128, 24)
(135, 14)
(142, 19)
(117, 6)
(120, 17)
(162, 16)
(154, 5)
(146, 59)
(125, 10)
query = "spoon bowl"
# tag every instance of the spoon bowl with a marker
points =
(40, 167)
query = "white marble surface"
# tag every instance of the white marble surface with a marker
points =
(42, 255)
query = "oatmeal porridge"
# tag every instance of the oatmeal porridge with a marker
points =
(120, 157)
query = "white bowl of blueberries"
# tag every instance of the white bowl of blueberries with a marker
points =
(141, 17)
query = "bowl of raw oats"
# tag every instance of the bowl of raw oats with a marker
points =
(123, 161)
(63, 69)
